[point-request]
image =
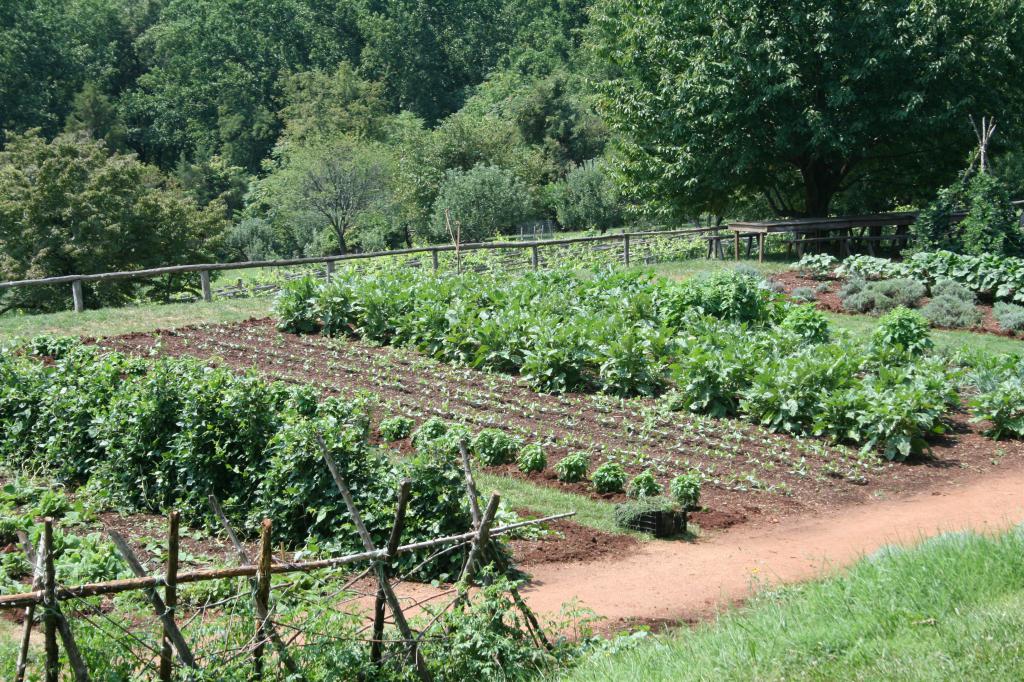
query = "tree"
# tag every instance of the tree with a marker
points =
(485, 201)
(587, 199)
(334, 183)
(68, 207)
(801, 101)
(93, 115)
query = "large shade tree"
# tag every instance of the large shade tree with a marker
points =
(801, 101)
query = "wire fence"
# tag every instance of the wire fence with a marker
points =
(264, 627)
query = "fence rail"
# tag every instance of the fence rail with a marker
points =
(204, 269)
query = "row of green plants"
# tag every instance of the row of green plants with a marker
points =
(724, 345)
(140, 435)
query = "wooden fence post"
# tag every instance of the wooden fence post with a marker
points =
(330, 270)
(535, 257)
(625, 247)
(204, 280)
(30, 610)
(50, 603)
(262, 596)
(170, 596)
(433, 257)
(76, 296)
(393, 541)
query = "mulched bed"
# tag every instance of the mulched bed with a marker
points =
(829, 301)
(759, 477)
(569, 542)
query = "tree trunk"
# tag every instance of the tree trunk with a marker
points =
(339, 231)
(820, 184)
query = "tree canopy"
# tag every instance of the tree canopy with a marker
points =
(799, 102)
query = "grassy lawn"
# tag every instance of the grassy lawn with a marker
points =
(950, 609)
(519, 494)
(113, 321)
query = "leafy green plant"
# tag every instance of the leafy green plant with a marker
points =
(952, 312)
(904, 330)
(685, 489)
(573, 467)
(532, 459)
(803, 295)
(610, 477)
(494, 447)
(395, 428)
(881, 296)
(296, 307)
(816, 265)
(1010, 316)
(951, 288)
(644, 485)
(807, 323)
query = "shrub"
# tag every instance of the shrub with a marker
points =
(725, 295)
(610, 477)
(532, 459)
(429, 431)
(881, 296)
(952, 312)
(904, 330)
(573, 467)
(803, 294)
(644, 485)
(485, 200)
(395, 428)
(494, 447)
(587, 198)
(685, 489)
(296, 307)
(1009, 316)
(952, 288)
(807, 323)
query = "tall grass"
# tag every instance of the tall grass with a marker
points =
(949, 609)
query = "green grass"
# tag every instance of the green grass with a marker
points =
(949, 609)
(861, 326)
(699, 266)
(143, 318)
(519, 494)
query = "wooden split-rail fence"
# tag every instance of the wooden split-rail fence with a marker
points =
(626, 241)
(161, 590)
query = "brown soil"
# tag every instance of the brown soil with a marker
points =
(571, 542)
(829, 300)
(757, 477)
(679, 582)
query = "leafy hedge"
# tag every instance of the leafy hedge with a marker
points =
(147, 436)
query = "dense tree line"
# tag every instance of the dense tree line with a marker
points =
(288, 127)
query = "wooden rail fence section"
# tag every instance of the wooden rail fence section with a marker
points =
(330, 262)
(175, 650)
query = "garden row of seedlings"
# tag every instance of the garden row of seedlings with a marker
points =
(175, 649)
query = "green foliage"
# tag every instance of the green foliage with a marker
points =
(990, 226)
(587, 199)
(296, 307)
(816, 265)
(1000, 396)
(644, 485)
(952, 312)
(431, 430)
(532, 459)
(1009, 316)
(807, 323)
(479, 203)
(610, 477)
(726, 295)
(951, 288)
(904, 330)
(685, 489)
(395, 428)
(640, 514)
(67, 207)
(881, 296)
(803, 295)
(494, 447)
(573, 467)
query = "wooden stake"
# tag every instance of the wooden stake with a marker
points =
(479, 544)
(330, 270)
(625, 247)
(170, 596)
(261, 612)
(204, 281)
(382, 581)
(76, 296)
(393, 542)
(50, 603)
(173, 633)
(30, 610)
(262, 597)
(535, 257)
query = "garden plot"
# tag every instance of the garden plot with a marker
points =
(750, 474)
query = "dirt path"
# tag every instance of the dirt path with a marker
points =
(670, 582)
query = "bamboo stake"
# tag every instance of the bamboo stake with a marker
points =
(30, 610)
(173, 633)
(262, 612)
(396, 537)
(382, 581)
(170, 596)
(50, 603)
